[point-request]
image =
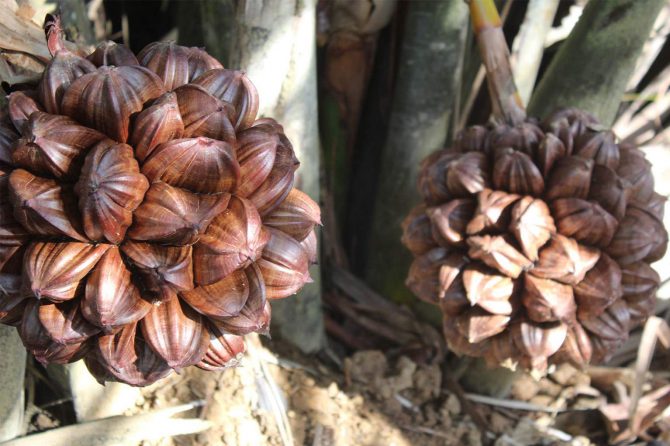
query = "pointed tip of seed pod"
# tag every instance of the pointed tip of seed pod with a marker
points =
(54, 33)
(106, 324)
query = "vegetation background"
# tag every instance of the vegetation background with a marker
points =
(366, 89)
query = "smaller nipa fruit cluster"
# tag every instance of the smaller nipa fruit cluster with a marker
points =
(147, 217)
(535, 240)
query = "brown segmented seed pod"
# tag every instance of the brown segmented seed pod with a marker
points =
(610, 191)
(221, 299)
(640, 236)
(600, 288)
(612, 324)
(515, 172)
(550, 263)
(111, 53)
(22, 104)
(256, 152)
(532, 225)
(64, 323)
(162, 267)
(525, 137)
(111, 298)
(53, 145)
(37, 340)
(176, 65)
(125, 357)
(565, 260)
(568, 125)
(636, 169)
(449, 221)
(424, 274)
(296, 216)
(233, 240)
(256, 312)
(431, 183)
(460, 344)
(133, 211)
(577, 348)
(225, 350)
(547, 300)
(233, 87)
(201, 165)
(311, 246)
(284, 265)
(417, 234)
(489, 290)
(204, 114)
(585, 221)
(472, 139)
(476, 324)
(176, 333)
(498, 253)
(599, 146)
(93, 98)
(157, 124)
(110, 188)
(452, 293)
(570, 178)
(655, 206)
(549, 151)
(466, 174)
(175, 216)
(43, 207)
(63, 69)
(54, 271)
(278, 183)
(539, 342)
(492, 213)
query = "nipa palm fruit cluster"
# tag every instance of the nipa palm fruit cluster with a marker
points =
(146, 216)
(535, 240)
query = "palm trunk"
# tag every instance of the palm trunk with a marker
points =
(429, 74)
(74, 18)
(275, 44)
(207, 22)
(593, 66)
(12, 370)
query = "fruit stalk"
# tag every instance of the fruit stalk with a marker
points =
(487, 26)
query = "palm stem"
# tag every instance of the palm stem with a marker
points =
(487, 26)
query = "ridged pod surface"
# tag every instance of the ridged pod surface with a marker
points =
(536, 240)
(147, 218)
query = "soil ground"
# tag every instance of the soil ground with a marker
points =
(373, 401)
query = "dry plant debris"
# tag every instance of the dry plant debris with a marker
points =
(380, 399)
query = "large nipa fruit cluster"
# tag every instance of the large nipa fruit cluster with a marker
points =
(146, 216)
(536, 239)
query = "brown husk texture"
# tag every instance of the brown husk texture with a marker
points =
(536, 241)
(147, 218)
